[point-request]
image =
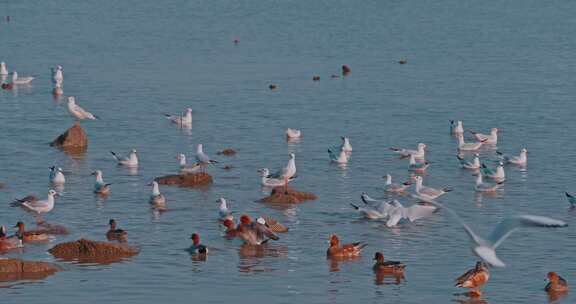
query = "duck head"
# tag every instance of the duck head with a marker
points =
(195, 238)
(379, 257)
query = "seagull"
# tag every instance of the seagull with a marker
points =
(483, 187)
(56, 176)
(417, 166)
(490, 139)
(20, 80)
(428, 193)
(345, 146)
(78, 112)
(471, 165)
(395, 188)
(412, 213)
(456, 127)
(185, 120)
(130, 161)
(157, 199)
(100, 187)
(520, 160)
(373, 209)
(3, 69)
(203, 159)
(463, 146)
(340, 158)
(571, 200)
(271, 181)
(33, 204)
(485, 248)
(57, 76)
(223, 211)
(418, 154)
(186, 168)
(293, 133)
(497, 174)
(287, 172)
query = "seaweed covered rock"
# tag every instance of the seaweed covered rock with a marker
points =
(16, 269)
(75, 137)
(186, 180)
(87, 251)
(282, 195)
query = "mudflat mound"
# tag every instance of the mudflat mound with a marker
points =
(282, 195)
(75, 137)
(87, 251)
(186, 180)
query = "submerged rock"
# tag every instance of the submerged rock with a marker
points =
(75, 137)
(16, 270)
(87, 251)
(227, 152)
(186, 180)
(281, 195)
(53, 229)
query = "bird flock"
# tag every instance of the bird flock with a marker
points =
(424, 199)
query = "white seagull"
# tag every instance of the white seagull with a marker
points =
(157, 199)
(463, 146)
(130, 161)
(497, 174)
(293, 133)
(223, 212)
(21, 80)
(345, 146)
(270, 181)
(57, 176)
(373, 209)
(471, 165)
(418, 167)
(185, 120)
(187, 168)
(456, 127)
(393, 187)
(33, 204)
(203, 159)
(520, 160)
(418, 154)
(428, 193)
(100, 187)
(490, 139)
(57, 76)
(480, 186)
(287, 172)
(485, 248)
(412, 213)
(78, 112)
(339, 158)
(3, 69)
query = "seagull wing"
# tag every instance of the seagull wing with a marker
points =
(510, 224)
(473, 236)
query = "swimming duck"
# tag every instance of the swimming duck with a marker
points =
(556, 283)
(29, 236)
(474, 279)
(254, 233)
(115, 234)
(196, 247)
(8, 243)
(391, 267)
(231, 231)
(346, 251)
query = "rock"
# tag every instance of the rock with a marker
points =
(75, 137)
(227, 152)
(281, 195)
(16, 270)
(87, 251)
(186, 180)
(53, 229)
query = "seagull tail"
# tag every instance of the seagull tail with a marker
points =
(354, 206)
(114, 155)
(447, 189)
(568, 195)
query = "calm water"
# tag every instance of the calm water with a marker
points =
(491, 64)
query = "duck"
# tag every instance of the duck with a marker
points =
(417, 167)
(115, 234)
(254, 233)
(231, 231)
(419, 153)
(29, 236)
(187, 168)
(157, 199)
(464, 146)
(391, 267)
(456, 127)
(338, 158)
(293, 133)
(498, 174)
(346, 70)
(57, 176)
(556, 283)
(393, 187)
(489, 139)
(474, 279)
(100, 187)
(8, 243)
(470, 165)
(130, 161)
(196, 247)
(21, 80)
(520, 160)
(344, 251)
